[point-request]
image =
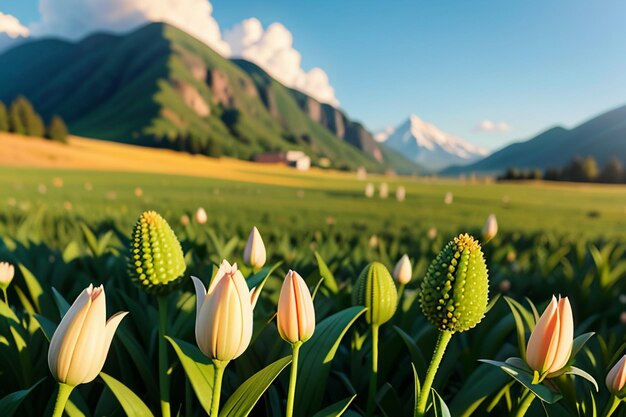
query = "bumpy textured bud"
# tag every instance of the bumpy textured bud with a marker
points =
(455, 290)
(157, 263)
(376, 290)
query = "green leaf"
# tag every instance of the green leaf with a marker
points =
(261, 276)
(483, 382)
(579, 343)
(130, 402)
(572, 370)
(417, 358)
(337, 409)
(60, 301)
(329, 278)
(34, 288)
(525, 378)
(242, 401)
(199, 370)
(47, 326)
(6, 312)
(11, 402)
(316, 356)
(439, 405)
(520, 315)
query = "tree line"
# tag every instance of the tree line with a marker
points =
(577, 170)
(21, 118)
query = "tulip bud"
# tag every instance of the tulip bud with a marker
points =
(616, 378)
(490, 229)
(375, 290)
(201, 216)
(403, 271)
(254, 254)
(296, 315)
(156, 262)
(455, 289)
(223, 314)
(550, 343)
(80, 344)
(7, 271)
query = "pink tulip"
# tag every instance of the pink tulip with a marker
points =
(80, 344)
(550, 344)
(296, 315)
(616, 378)
(223, 314)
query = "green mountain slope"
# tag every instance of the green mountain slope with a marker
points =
(602, 137)
(159, 86)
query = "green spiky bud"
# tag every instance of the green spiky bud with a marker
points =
(455, 290)
(156, 259)
(376, 290)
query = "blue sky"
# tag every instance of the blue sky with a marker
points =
(531, 64)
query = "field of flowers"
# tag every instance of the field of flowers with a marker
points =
(322, 315)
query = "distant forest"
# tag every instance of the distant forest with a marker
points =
(22, 118)
(577, 170)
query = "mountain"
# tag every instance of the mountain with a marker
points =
(159, 86)
(428, 146)
(603, 137)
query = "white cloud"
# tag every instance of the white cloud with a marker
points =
(11, 31)
(272, 49)
(12, 27)
(492, 126)
(76, 18)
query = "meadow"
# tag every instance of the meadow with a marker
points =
(66, 227)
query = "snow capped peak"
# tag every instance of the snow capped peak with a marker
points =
(426, 144)
(384, 134)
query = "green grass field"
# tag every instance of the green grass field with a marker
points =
(593, 211)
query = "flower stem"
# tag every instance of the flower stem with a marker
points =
(220, 366)
(292, 378)
(525, 404)
(611, 406)
(6, 297)
(164, 386)
(440, 348)
(371, 400)
(62, 397)
(400, 293)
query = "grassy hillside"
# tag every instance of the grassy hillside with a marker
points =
(603, 137)
(159, 86)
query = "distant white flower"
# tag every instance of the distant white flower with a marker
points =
(400, 193)
(369, 190)
(138, 192)
(449, 198)
(201, 216)
(42, 189)
(490, 229)
(383, 192)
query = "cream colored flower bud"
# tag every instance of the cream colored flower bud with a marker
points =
(81, 342)
(490, 229)
(403, 271)
(254, 254)
(296, 315)
(616, 378)
(550, 343)
(7, 271)
(223, 314)
(201, 216)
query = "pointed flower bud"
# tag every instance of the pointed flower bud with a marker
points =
(490, 229)
(455, 289)
(157, 263)
(403, 271)
(80, 344)
(296, 315)
(7, 271)
(616, 378)
(375, 290)
(223, 314)
(550, 344)
(254, 254)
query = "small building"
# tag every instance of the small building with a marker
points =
(296, 159)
